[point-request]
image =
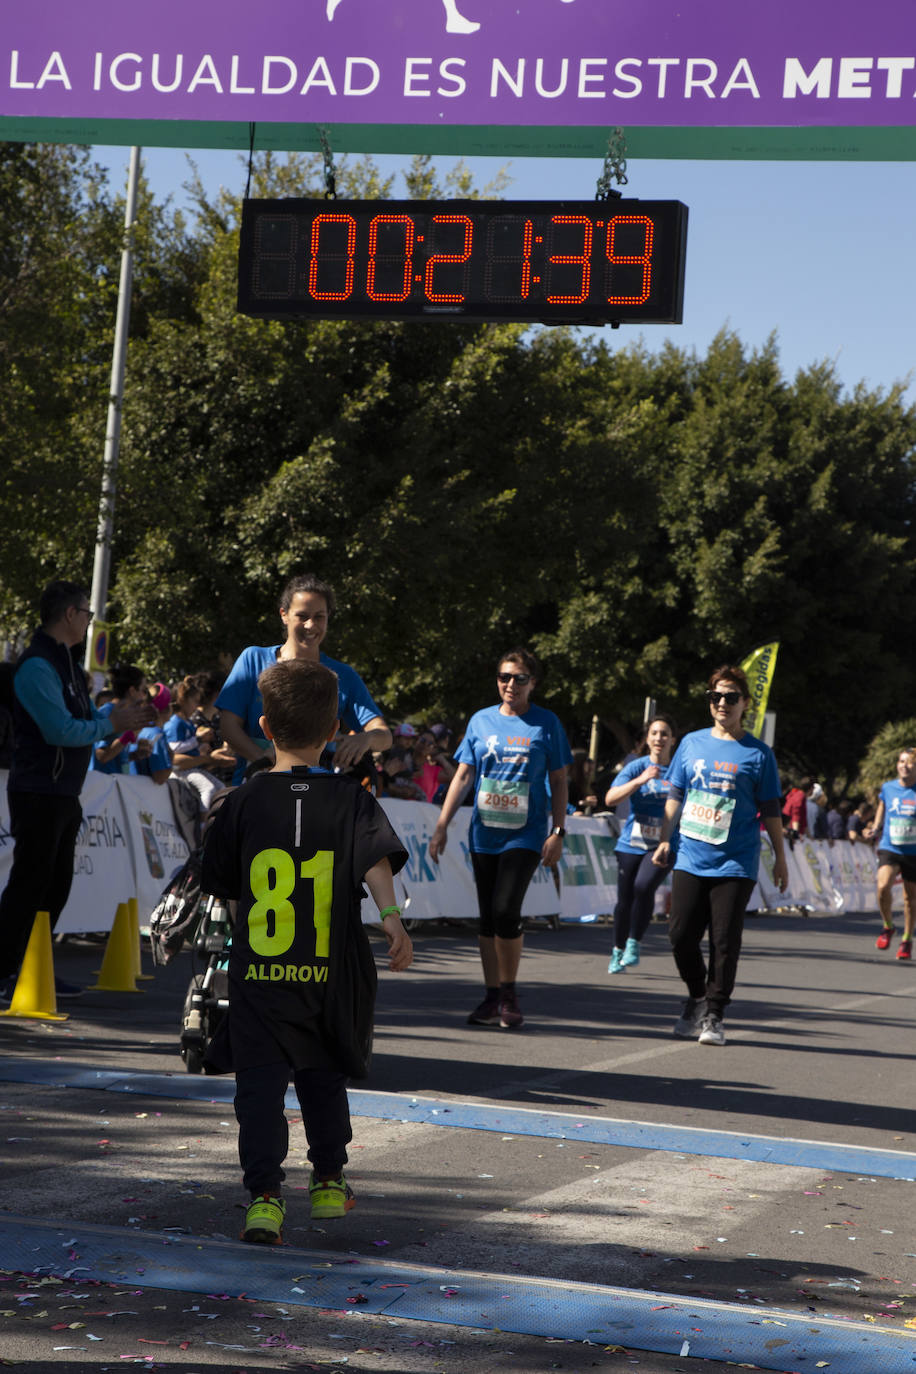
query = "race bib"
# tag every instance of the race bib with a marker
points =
(903, 831)
(503, 804)
(646, 832)
(707, 816)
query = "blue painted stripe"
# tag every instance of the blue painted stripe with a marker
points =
(769, 1338)
(482, 1116)
(637, 1135)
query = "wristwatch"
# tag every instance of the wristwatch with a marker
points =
(558, 830)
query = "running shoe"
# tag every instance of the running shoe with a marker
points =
(884, 939)
(616, 964)
(264, 1220)
(487, 1014)
(690, 1021)
(65, 990)
(631, 954)
(906, 949)
(330, 1197)
(510, 1015)
(712, 1032)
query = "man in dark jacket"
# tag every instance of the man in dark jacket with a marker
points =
(55, 729)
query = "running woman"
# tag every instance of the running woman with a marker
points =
(644, 782)
(724, 782)
(510, 753)
(895, 822)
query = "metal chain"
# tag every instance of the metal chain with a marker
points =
(251, 131)
(615, 167)
(330, 174)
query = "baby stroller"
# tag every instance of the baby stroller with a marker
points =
(184, 915)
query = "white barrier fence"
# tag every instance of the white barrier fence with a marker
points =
(825, 877)
(129, 845)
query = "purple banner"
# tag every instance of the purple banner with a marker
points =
(688, 63)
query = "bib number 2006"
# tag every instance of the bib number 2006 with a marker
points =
(272, 918)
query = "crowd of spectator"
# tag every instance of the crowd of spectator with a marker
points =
(809, 812)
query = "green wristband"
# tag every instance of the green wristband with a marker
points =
(389, 911)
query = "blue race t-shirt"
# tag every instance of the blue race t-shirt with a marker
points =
(241, 696)
(180, 732)
(158, 759)
(113, 765)
(642, 826)
(723, 783)
(121, 762)
(512, 756)
(899, 832)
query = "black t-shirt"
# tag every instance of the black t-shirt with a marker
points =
(292, 849)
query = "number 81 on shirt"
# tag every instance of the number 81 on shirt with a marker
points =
(272, 918)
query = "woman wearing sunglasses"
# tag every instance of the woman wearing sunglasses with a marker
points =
(510, 752)
(724, 784)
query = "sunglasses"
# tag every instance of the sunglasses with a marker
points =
(730, 698)
(520, 678)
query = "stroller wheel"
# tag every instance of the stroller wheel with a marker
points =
(193, 1057)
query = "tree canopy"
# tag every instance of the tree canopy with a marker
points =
(634, 517)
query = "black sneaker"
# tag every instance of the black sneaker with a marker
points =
(487, 1014)
(690, 1021)
(64, 990)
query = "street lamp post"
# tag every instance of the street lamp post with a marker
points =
(101, 566)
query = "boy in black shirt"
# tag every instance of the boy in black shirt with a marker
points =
(293, 847)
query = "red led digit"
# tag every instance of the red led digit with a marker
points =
(583, 259)
(437, 258)
(503, 270)
(405, 258)
(643, 259)
(526, 258)
(332, 257)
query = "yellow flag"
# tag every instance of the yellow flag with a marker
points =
(759, 668)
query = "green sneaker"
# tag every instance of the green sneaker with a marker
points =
(331, 1197)
(264, 1220)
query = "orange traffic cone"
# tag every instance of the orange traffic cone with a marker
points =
(134, 909)
(117, 971)
(34, 996)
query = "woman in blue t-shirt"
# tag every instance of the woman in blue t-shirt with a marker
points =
(644, 783)
(724, 783)
(510, 753)
(894, 827)
(306, 607)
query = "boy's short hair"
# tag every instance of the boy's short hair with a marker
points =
(300, 702)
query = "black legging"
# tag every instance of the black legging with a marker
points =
(716, 904)
(637, 880)
(502, 881)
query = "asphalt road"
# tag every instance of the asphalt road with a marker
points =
(721, 1219)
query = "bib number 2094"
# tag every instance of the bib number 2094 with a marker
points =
(272, 918)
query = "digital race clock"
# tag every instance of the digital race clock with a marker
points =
(554, 262)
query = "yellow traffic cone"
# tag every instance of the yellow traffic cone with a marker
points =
(34, 996)
(117, 971)
(134, 909)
